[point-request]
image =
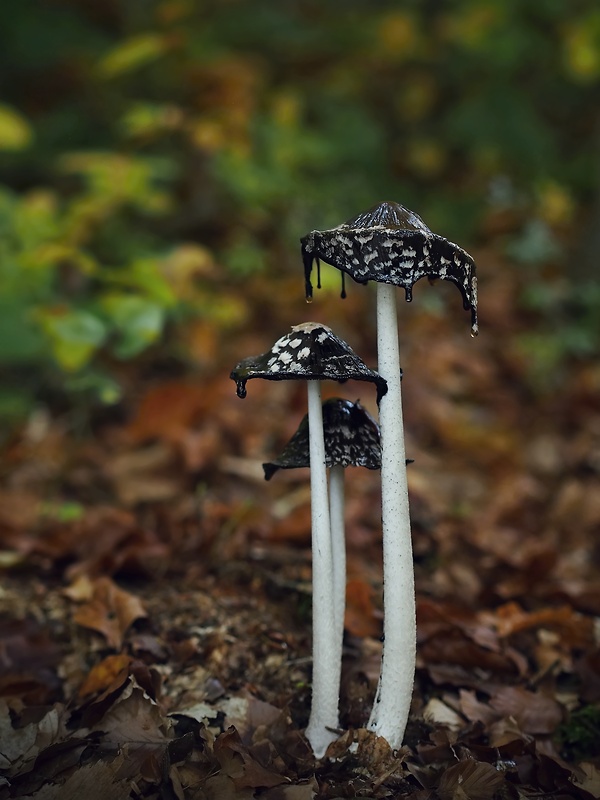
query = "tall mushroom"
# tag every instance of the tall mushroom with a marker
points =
(312, 352)
(351, 439)
(394, 247)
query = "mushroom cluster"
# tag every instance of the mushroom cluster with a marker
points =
(392, 246)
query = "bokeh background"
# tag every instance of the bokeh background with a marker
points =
(159, 160)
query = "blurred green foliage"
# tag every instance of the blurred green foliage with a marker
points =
(143, 142)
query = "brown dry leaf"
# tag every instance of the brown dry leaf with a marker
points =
(222, 787)
(470, 780)
(436, 712)
(577, 629)
(108, 675)
(587, 777)
(80, 590)
(28, 660)
(110, 612)
(94, 782)
(294, 528)
(25, 647)
(21, 745)
(246, 714)
(362, 617)
(451, 646)
(533, 712)
(300, 791)
(474, 710)
(134, 718)
(167, 410)
(105, 540)
(239, 765)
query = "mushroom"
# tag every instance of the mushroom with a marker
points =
(351, 439)
(394, 247)
(312, 352)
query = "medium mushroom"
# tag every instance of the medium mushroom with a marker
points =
(351, 439)
(394, 247)
(312, 352)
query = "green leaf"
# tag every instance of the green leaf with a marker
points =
(138, 321)
(143, 275)
(74, 336)
(96, 385)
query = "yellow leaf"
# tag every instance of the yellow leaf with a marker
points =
(133, 53)
(15, 130)
(111, 673)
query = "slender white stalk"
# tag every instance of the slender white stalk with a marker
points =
(338, 547)
(326, 673)
(394, 691)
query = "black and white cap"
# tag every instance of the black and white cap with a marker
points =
(351, 439)
(391, 244)
(310, 352)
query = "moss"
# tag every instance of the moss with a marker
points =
(579, 736)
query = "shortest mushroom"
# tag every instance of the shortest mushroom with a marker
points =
(351, 440)
(312, 352)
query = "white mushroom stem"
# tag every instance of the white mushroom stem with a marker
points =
(338, 546)
(394, 691)
(326, 650)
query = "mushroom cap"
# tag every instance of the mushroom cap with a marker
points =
(351, 439)
(391, 244)
(310, 352)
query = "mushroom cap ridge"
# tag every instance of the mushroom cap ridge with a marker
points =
(391, 244)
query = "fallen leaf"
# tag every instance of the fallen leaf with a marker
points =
(94, 782)
(533, 711)
(362, 618)
(470, 780)
(576, 629)
(246, 714)
(134, 718)
(28, 660)
(21, 745)
(238, 764)
(108, 675)
(80, 590)
(110, 612)
(587, 777)
(437, 712)
(300, 791)
(167, 410)
(474, 710)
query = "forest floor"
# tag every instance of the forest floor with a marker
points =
(155, 591)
